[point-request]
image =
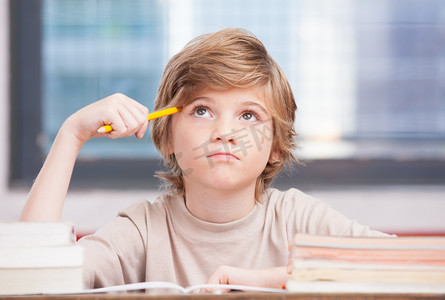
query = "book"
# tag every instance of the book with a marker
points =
(402, 250)
(342, 287)
(34, 234)
(162, 287)
(37, 257)
(389, 242)
(368, 264)
(338, 271)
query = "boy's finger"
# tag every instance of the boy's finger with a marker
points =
(289, 268)
(131, 123)
(139, 112)
(118, 125)
(141, 132)
(215, 291)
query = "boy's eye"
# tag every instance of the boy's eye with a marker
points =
(249, 116)
(201, 111)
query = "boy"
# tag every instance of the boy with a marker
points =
(219, 222)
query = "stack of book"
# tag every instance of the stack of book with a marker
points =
(368, 264)
(39, 257)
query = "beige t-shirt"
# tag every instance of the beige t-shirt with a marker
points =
(163, 241)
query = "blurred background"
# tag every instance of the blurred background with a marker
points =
(368, 77)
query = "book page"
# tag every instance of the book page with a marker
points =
(173, 286)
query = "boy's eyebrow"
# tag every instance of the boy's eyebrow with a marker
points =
(256, 104)
(201, 98)
(245, 103)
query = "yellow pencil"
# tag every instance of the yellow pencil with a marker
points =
(154, 115)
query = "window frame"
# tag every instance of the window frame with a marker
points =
(26, 157)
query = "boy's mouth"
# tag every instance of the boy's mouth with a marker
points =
(223, 156)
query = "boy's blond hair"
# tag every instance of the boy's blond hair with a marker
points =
(230, 58)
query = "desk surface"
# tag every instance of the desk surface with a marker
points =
(234, 296)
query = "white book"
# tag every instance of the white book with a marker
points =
(28, 281)
(36, 257)
(332, 287)
(41, 257)
(34, 234)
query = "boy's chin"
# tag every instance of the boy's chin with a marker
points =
(229, 181)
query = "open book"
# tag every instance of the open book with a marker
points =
(162, 286)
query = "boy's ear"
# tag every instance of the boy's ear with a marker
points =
(274, 156)
(170, 148)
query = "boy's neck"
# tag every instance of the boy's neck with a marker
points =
(218, 206)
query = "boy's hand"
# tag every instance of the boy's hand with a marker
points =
(292, 249)
(272, 278)
(125, 115)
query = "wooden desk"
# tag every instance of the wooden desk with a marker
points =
(234, 296)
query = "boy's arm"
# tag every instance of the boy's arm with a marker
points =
(270, 278)
(47, 195)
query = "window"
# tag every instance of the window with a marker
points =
(368, 79)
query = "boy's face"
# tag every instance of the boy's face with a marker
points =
(223, 139)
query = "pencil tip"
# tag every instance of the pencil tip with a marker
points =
(101, 130)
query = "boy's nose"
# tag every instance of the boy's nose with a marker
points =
(227, 139)
(225, 132)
